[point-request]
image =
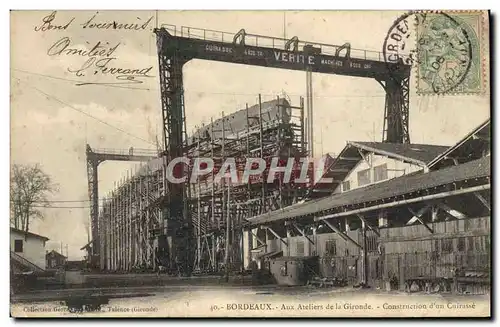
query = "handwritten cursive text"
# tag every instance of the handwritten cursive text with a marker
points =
(102, 66)
(63, 47)
(116, 25)
(47, 23)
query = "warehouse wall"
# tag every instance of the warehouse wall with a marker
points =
(395, 168)
(403, 252)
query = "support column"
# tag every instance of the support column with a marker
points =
(347, 227)
(288, 235)
(382, 219)
(266, 237)
(434, 213)
(92, 168)
(364, 255)
(396, 109)
(178, 223)
(250, 247)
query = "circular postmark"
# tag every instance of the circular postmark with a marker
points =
(435, 43)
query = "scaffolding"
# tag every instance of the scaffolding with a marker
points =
(134, 234)
(131, 218)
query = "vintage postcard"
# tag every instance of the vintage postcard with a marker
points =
(250, 164)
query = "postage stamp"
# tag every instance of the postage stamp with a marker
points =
(449, 53)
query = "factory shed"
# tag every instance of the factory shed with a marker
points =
(472, 175)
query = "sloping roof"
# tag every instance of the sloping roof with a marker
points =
(381, 191)
(347, 160)
(87, 246)
(414, 153)
(15, 230)
(54, 252)
(468, 148)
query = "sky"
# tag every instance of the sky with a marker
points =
(52, 118)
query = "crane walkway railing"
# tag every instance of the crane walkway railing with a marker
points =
(267, 41)
(127, 152)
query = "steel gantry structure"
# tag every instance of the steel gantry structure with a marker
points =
(178, 46)
(94, 158)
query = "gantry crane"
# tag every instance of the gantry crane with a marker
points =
(94, 158)
(178, 46)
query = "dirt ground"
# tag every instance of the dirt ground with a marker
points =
(240, 301)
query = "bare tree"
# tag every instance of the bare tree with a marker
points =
(29, 187)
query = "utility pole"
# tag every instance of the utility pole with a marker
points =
(309, 100)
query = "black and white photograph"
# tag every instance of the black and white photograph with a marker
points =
(273, 163)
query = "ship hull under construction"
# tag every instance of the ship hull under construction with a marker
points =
(135, 236)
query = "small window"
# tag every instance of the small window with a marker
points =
(346, 186)
(364, 177)
(18, 246)
(380, 173)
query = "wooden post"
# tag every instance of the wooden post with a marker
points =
(364, 254)
(382, 219)
(434, 212)
(288, 236)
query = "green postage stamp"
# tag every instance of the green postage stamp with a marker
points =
(451, 53)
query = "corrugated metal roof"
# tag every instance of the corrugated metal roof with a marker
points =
(468, 148)
(380, 191)
(418, 152)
